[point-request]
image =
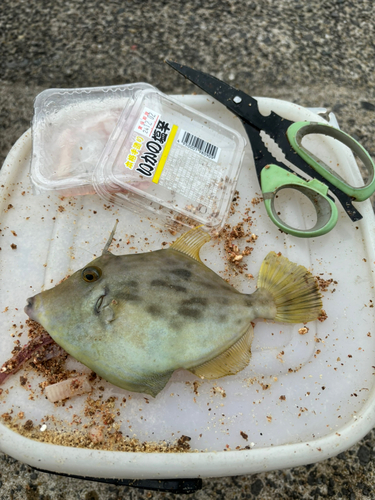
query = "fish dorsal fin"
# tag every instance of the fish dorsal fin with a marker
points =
(231, 361)
(191, 242)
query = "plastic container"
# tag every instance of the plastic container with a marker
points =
(167, 161)
(305, 396)
(70, 128)
(157, 157)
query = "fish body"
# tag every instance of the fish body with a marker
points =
(135, 319)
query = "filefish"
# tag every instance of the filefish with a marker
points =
(135, 319)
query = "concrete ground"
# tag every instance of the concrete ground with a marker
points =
(318, 53)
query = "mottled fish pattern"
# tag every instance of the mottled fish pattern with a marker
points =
(135, 319)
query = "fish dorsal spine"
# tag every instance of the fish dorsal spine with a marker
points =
(191, 242)
(109, 241)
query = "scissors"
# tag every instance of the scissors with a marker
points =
(274, 175)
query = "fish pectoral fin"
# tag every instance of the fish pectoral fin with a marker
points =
(156, 383)
(231, 361)
(191, 242)
(108, 314)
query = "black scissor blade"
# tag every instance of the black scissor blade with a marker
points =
(237, 101)
(246, 108)
(262, 156)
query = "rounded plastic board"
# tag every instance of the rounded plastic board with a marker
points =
(306, 395)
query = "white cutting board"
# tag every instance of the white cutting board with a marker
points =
(302, 399)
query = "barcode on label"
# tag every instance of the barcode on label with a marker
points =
(197, 144)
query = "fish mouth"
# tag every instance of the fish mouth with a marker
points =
(29, 308)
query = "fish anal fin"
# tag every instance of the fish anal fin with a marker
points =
(155, 383)
(231, 361)
(191, 242)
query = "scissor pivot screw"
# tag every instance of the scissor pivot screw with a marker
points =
(237, 99)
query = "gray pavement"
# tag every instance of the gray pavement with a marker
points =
(318, 53)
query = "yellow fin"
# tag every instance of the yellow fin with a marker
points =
(231, 361)
(191, 242)
(155, 383)
(293, 288)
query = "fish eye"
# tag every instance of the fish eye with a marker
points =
(91, 274)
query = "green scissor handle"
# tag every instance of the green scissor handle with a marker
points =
(297, 131)
(274, 178)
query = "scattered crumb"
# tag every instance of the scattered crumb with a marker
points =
(325, 283)
(113, 439)
(265, 387)
(219, 390)
(196, 384)
(322, 316)
(245, 436)
(28, 425)
(183, 442)
(232, 236)
(303, 331)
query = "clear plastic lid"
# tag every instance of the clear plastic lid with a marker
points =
(169, 161)
(70, 128)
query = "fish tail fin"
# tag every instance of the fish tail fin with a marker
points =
(293, 288)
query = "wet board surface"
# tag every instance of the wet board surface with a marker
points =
(303, 390)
